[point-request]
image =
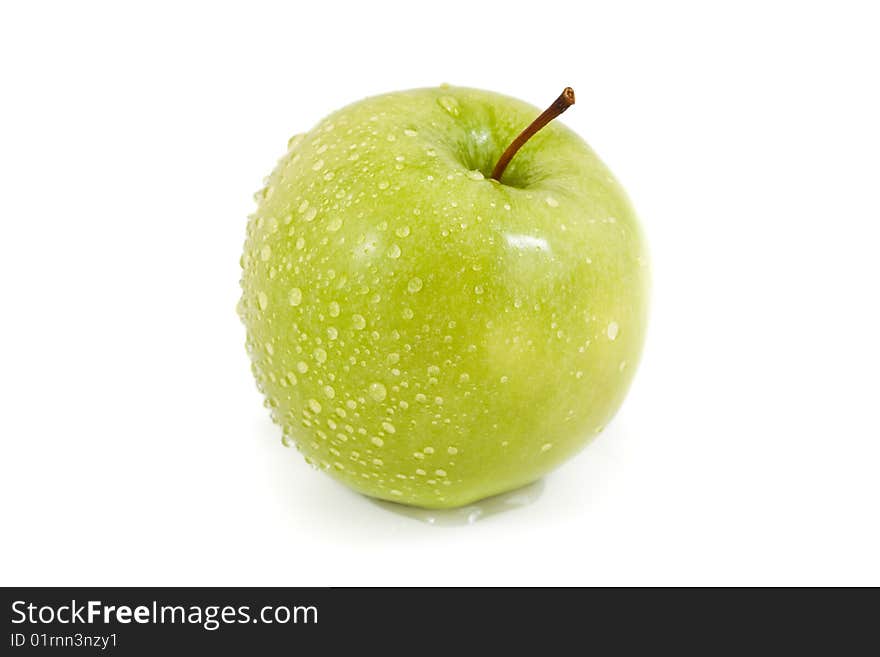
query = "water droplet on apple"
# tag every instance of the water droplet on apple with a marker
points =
(377, 391)
(294, 141)
(449, 104)
(295, 296)
(358, 321)
(403, 231)
(476, 175)
(320, 355)
(394, 251)
(262, 300)
(318, 165)
(334, 224)
(546, 447)
(332, 333)
(552, 202)
(310, 214)
(378, 442)
(388, 427)
(302, 366)
(315, 406)
(334, 309)
(612, 331)
(414, 285)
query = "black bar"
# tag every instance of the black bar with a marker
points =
(132, 621)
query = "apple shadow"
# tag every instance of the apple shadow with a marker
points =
(472, 513)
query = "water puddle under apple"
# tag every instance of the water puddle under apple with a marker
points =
(468, 515)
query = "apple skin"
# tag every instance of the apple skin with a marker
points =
(427, 335)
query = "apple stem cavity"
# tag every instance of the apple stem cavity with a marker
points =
(562, 103)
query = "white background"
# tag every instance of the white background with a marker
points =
(135, 449)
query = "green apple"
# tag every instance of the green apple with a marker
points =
(423, 332)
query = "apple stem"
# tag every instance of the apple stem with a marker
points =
(565, 100)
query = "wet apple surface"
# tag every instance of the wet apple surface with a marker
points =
(424, 333)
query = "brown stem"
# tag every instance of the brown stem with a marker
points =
(565, 100)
